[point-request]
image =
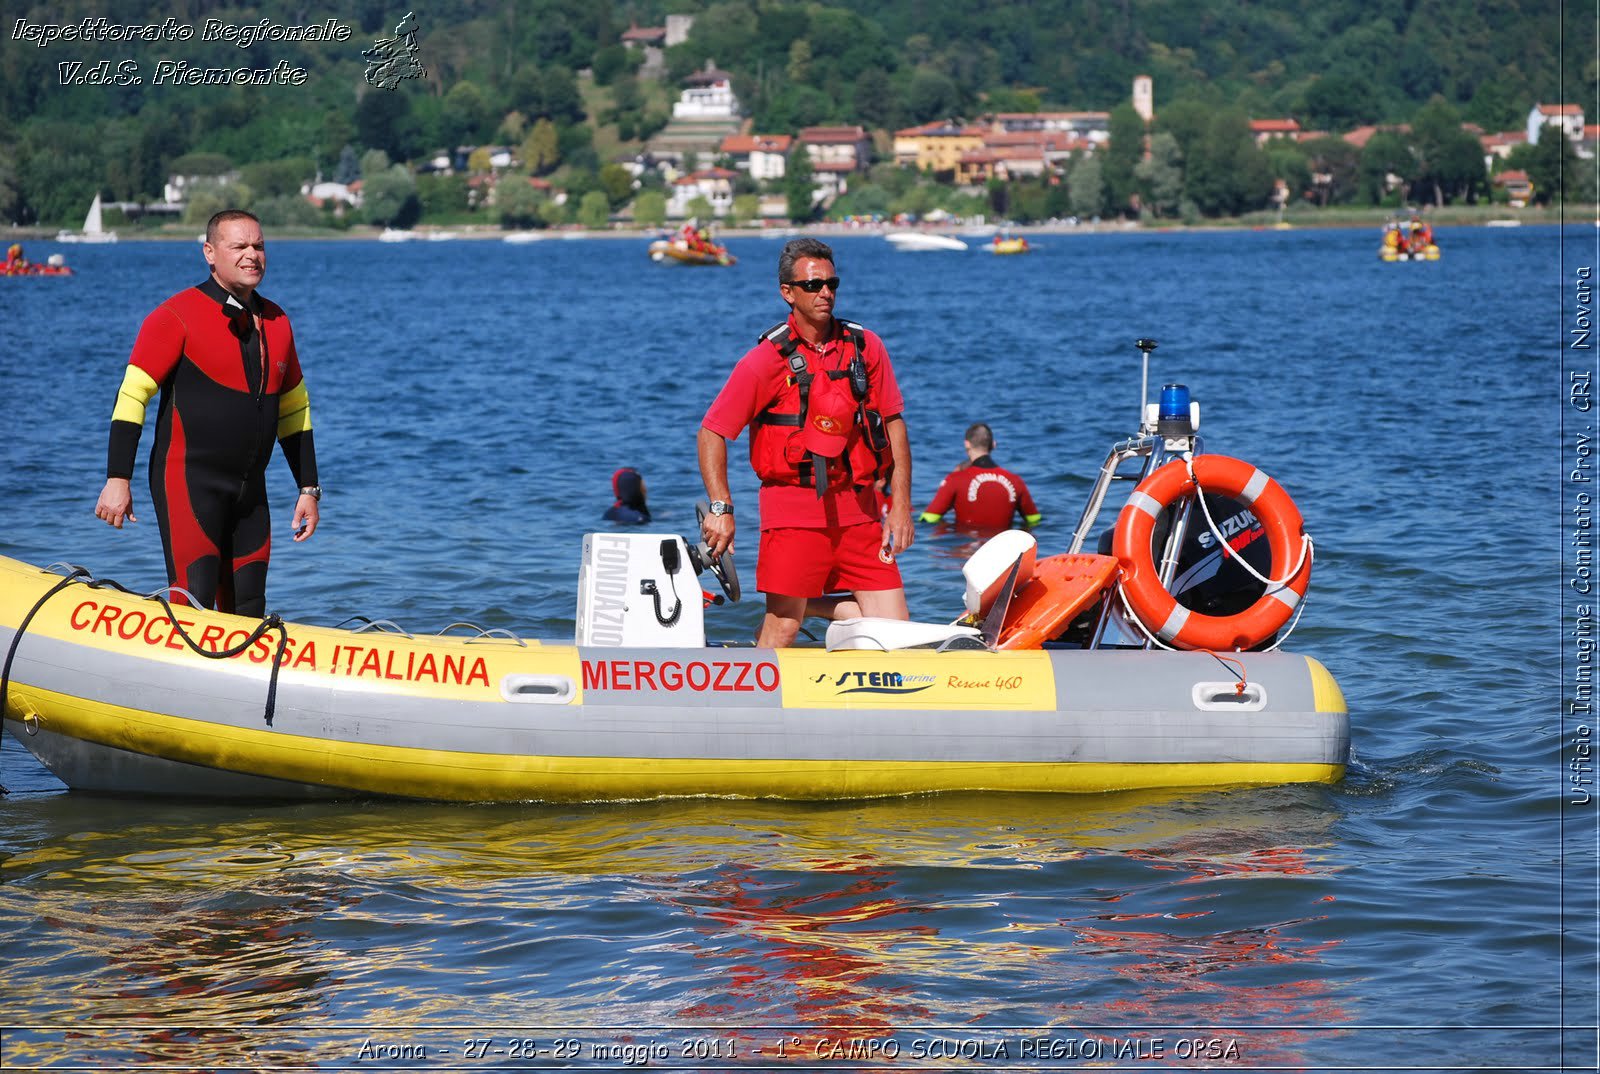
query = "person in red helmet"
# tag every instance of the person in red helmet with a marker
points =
(627, 485)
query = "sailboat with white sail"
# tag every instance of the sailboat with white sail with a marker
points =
(93, 228)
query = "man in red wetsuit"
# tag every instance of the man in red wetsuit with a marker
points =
(223, 359)
(824, 409)
(986, 497)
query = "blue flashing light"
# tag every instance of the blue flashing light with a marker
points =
(1174, 403)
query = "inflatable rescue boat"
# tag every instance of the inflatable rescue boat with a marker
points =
(678, 252)
(1074, 672)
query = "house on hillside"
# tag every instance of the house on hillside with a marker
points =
(636, 36)
(1091, 127)
(713, 184)
(849, 147)
(1264, 130)
(1568, 117)
(762, 156)
(1517, 185)
(707, 94)
(180, 188)
(321, 192)
(935, 147)
(1498, 147)
(836, 153)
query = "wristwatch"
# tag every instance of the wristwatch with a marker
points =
(721, 507)
(314, 491)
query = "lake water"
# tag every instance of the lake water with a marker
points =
(1436, 910)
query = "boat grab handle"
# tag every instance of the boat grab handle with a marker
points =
(537, 689)
(1229, 696)
(485, 633)
(383, 626)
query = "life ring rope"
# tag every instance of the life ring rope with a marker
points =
(1306, 546)
(1150, 635)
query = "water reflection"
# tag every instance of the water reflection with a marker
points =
(886, 914)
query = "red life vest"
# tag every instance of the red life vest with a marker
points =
(823, 424)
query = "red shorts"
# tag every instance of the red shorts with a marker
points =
(811, 562)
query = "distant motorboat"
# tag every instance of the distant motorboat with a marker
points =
(522, 236)
(391, 234)
(1506, 223)
(93, 228)
(443, 236)
(921, 240)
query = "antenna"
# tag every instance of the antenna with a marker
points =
(1145, 345)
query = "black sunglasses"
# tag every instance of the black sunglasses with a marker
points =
(811, 287)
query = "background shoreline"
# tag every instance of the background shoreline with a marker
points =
(1308, 219)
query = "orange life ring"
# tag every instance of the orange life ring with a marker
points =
(1160, 610)
(1061, 587)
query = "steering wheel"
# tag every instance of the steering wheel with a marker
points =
(721, 567)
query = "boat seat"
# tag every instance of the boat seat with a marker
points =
(986, 571)
(871, 632)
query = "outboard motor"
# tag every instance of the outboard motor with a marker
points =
(1208, 580)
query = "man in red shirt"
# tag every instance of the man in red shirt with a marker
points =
(824, 409)
(986, 497)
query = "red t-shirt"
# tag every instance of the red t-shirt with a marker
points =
(985, 497)
(760, 380)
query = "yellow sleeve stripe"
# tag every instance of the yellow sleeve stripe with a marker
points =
(294, 411)
(138, 388)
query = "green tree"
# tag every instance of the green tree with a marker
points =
(443, 195)
(1186, 120)
(1286, 160)
(1449, 160)
(466, 116)
(1333, 162)
(517, 203)
(1339, 102)
(1551, 166)
(701, 209)
(746, 208)
(1086, 186)
(797, 186)
(541, 152)
(874, 97)
(278, 178)
(594, 210)
(205, 203)
(214, 164)
(1227, 173)
(1386, 153)
(1161, 177)
(614, 63)
(10, 193)
(287, 211)
(562, 103)
(799, 68)
(650, 209)
(617, 183)
(389, 198)
(1122, 155)
(553, 213)
(382, 122)
(929, 96)
(374, 162)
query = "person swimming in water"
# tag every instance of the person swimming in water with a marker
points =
(627, 485)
